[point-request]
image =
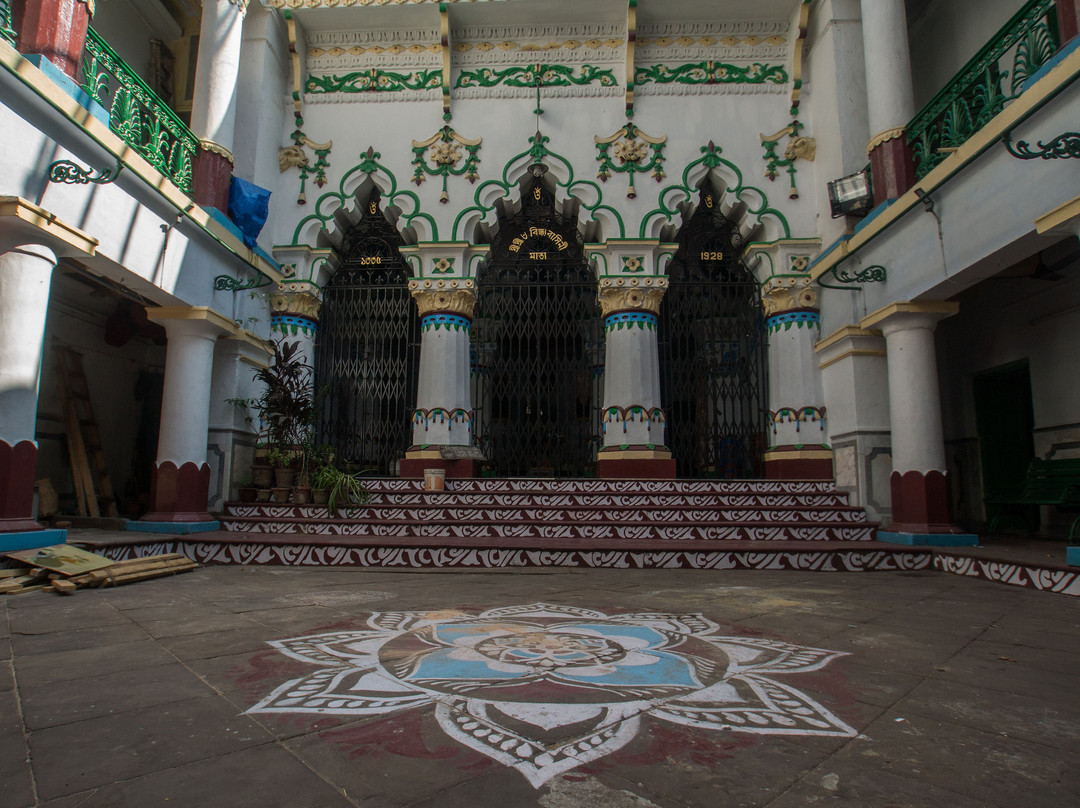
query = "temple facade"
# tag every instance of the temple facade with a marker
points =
(624, 239)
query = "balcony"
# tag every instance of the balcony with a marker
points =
(996, 76)
(136, 114)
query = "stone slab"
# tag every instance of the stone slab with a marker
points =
(172, 528)
(929, 539)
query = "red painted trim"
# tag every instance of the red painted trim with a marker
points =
(455, 469)
(640, 469)
(179, 494)
(18, 465)
(892, 165)
(920, 503)
(798, 469)
(1068, 12)
(210, 180)
(56, 29)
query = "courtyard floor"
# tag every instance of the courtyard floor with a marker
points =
(271, 686)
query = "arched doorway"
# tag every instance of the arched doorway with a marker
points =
(537, 344)
(368, 348)
(712, 350)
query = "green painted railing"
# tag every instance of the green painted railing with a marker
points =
(6, 32)
(984, 86)
(136, 114)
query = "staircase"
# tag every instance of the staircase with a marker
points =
(491, 523)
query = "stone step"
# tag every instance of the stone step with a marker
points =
(537, 485)
(660, 514)
(528, 529)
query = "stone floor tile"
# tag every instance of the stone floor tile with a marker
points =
(43, 642)
(60, 666)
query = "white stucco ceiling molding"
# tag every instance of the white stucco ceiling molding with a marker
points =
(336, 211)
(745, 204)
(597, 221)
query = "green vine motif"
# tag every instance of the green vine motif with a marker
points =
(137, 115)
(976, 94)
(295, 155)
(69, 173)
(369, 164)
(1064, 147)
(445, 152)
(537, 74)
(628, 155)
(798, 147)
(848, 278)
(227, 283)
(374, 81)
(6, 31)
(538, 152)
(672, 196)
(697, 73)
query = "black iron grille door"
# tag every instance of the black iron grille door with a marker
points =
(368, 348)
(712, 345)
(537, 345)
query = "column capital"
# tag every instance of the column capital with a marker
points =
(905, 316)
(619, 294)
(785, 293)
(444, 297)
(885, 137)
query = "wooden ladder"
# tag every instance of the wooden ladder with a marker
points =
(83, 437)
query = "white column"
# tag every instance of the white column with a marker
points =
(443, 415)
(914, 398)
(889, 94)
(185, 406)
(294, 317)
(213, 110)
(25, 279)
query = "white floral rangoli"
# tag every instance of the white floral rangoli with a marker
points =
(545, 688)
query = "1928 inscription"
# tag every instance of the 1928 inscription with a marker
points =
(712, 256)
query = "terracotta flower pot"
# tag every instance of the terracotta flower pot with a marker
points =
(262, 476)
(301, 494)
(262, 495)
(320, 496)
(246, 494)
(284, 478)
(281, 493)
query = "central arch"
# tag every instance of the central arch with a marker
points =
(537, 342)
(712, 347)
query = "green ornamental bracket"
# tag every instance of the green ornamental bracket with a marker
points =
(445, 154)
(798, 147)
(1063, 147)
(227, 283)
(69, 173)
(875, 273)
(628, 155)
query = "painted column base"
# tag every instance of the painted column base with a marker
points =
(795, 463)
(930, 539)
(173, 528)
(1072, 556)
(417, 461)
(56, 29)
(635, 463)
(210, 180)
(892, 166)
(18, 465)
(179, 494)
(920, 503)
(31, 540)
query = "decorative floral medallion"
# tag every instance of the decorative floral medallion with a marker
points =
(544, 689)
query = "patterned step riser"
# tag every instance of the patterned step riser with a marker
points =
(547, 531)
(560, 516)
(443, 500)
(594, 486)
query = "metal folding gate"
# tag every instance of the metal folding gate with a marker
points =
(712, 347)
(368, 348)
(537, 345)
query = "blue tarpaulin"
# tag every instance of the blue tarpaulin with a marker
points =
(249, 205)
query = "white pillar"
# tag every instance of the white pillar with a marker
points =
(25, 278)
(443, 415)
(294, 317)
(213, 108)
(889, 94)
(919, 484)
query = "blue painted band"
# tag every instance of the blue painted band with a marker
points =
(175, 528)
(645, 317)
(929, 539)
(445, 320)
(305, 323)
(795, 317)
(31, 539)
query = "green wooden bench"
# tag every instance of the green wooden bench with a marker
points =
(1047, 482)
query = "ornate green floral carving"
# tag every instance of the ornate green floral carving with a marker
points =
(711, 73)
(6, 31)
(628, 155)
(537, 74)
(136, 114)
(444, 152)
(376, 81)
